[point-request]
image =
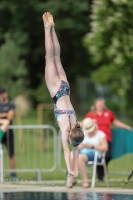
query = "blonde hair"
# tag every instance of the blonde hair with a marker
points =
(77, 135)
(93, 107)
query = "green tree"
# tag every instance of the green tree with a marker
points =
(41, 93)
(110, 45)
(12, 70)
(23, 20)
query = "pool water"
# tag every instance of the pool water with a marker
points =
(63, 196)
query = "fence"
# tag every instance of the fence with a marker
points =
(30, 152)
(32, 156)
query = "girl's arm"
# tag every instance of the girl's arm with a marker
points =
(71, 158)
(67, 154)
(75, 161)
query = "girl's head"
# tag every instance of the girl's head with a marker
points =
(99, 105)
(76, 135)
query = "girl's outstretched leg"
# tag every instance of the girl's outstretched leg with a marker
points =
(51, 75)
(60, 70)
(57, 59)
(48, 39)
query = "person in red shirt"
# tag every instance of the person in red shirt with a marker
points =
(104, 118)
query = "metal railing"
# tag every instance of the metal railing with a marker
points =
(38, 148)
(30, 152)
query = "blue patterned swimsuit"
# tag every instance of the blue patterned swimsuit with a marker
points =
(63, 90)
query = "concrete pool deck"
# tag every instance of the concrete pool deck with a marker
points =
(28, 187)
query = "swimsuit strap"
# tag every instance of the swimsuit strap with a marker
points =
(59, 112)
(68, 114)
(69, 120)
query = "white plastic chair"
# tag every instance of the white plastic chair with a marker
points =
(96, 163)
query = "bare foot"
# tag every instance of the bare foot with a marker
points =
(45, 19)
(50, 19)
(71, 173)
(75, 173)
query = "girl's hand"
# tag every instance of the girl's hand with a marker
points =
(70, 173)
(73, 173)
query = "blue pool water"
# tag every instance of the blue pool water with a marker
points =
(63, 196)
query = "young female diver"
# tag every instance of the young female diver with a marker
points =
(4, 123)
(59, 89)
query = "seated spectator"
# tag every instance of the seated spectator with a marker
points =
(104, 118)
(95, 140)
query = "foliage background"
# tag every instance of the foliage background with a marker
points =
(96, 41)
(110, 44)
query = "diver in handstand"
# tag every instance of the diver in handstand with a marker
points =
(59, 89)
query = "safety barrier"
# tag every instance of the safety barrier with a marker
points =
(33, 155)
(30, 152)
